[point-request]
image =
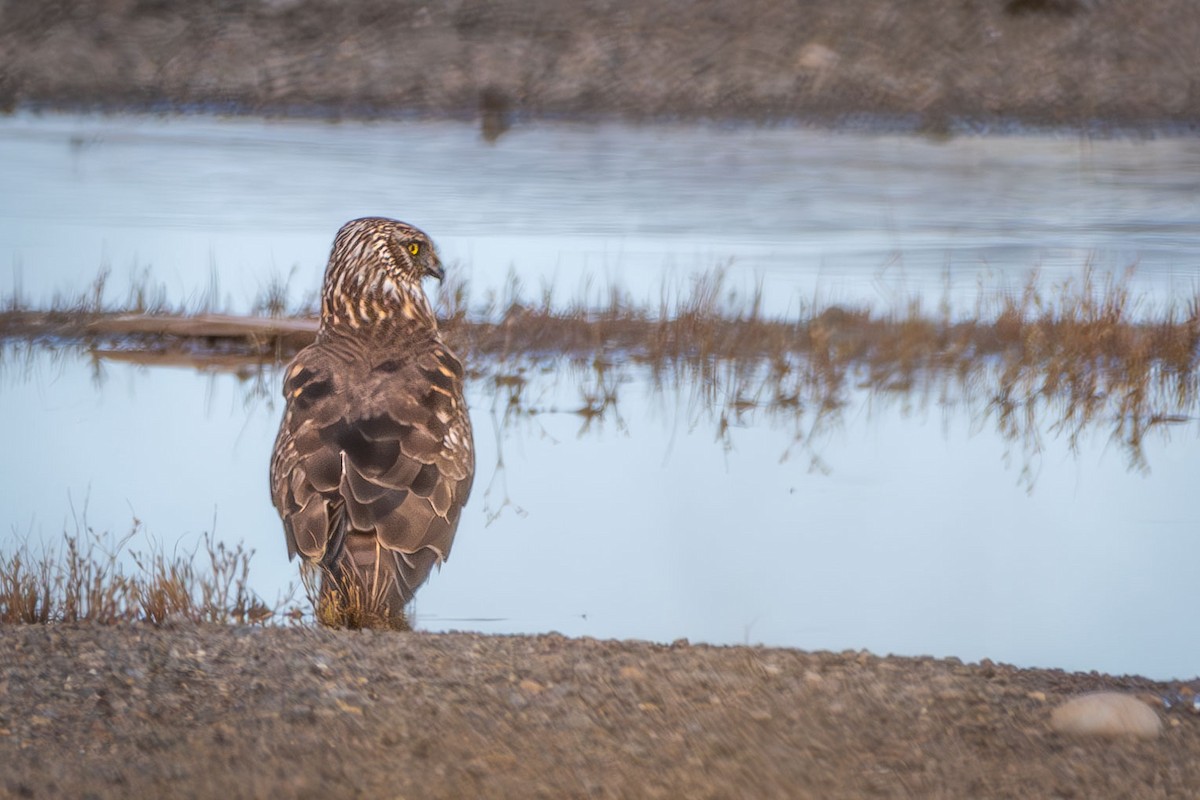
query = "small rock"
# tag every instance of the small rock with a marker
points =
(348, 708)
(816, 56)
(531, 686)
(1106, 714)
(632, 674)
(1039, 697)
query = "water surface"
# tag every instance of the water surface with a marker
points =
(906, 526)
(844, 217)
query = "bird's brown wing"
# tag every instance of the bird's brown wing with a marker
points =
(375, 441)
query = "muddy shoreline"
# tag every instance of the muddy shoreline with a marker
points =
(925, 65)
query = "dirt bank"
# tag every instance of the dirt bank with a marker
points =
(137, 711)
(916, 63)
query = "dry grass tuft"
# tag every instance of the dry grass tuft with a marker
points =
(344, 602)
(87, 580)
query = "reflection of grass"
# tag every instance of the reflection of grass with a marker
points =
(1062, 359)
(86, 580)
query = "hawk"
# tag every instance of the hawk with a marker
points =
(374, 458)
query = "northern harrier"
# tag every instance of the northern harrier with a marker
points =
(374, 458)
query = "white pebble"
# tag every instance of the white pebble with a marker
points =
(1106, 714)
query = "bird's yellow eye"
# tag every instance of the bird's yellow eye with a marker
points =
(414, 248)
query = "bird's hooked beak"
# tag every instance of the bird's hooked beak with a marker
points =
(435, 270)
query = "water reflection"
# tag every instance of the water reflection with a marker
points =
(1064, 362)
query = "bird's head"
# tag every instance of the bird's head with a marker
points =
(375, 271)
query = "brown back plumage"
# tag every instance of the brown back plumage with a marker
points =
(374, 458)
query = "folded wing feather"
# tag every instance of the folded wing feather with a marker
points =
(373, 446)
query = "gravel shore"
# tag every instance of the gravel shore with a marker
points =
(224, 711)
(928, 64)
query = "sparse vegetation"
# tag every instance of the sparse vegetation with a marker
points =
(98, 578)
(1059, 359)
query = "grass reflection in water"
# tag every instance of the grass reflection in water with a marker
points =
(1061, 360)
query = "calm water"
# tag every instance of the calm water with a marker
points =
(904, 528)
(844, 218)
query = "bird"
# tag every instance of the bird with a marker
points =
(374, 458)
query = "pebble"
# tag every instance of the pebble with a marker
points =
(1106, 714)
(816, 56)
